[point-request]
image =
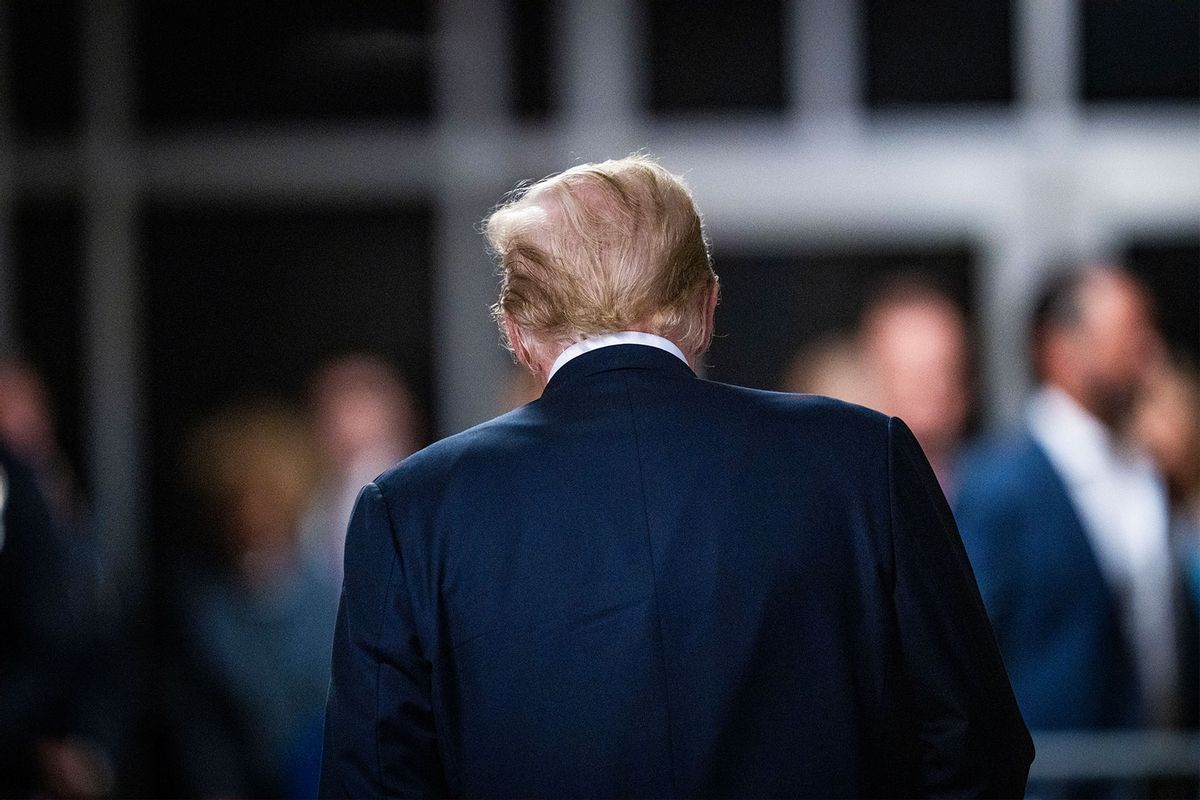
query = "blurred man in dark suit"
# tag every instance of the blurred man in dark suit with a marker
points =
(648, 584)
(1067, 526)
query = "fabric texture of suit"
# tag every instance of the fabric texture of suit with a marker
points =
(648, 584)
(1056, 617)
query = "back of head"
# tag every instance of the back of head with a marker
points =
(252, 470)
(600, 248)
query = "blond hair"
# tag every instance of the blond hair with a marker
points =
(600, 248)
(257, 448)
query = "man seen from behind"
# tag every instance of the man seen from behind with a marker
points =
(648, 584)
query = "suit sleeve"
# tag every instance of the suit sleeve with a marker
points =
(379, 730)
(970, 738)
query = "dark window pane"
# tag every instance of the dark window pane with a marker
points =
(533, 37)
(714, 55)
(938, 51)
(1144, 50)
(45, 46)
(225, 60)
(248, 302)
(48, 255)
(773, 306)
(1172, 272)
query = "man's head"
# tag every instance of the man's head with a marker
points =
(602, 248)
(26, 417)
(361, 409)
(1093, 336)
(914, 342)
(253, 469)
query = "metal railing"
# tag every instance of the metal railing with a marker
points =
(1118, 755)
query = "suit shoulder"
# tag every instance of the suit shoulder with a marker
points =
(814, 411)
(432, 465)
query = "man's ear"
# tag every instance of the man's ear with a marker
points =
(518, 343)
(710, 312)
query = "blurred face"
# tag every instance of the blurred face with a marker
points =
(918, 354)
(1167, 424)
(25, 423)
(353, 420)
(1112, 351)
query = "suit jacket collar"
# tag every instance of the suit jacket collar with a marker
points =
(618, 356)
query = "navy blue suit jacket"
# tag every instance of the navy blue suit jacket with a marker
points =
(1054, 613)
(648, 584)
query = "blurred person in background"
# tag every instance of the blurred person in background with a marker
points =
(246, 674)
(833, 367)
(28, 428)
(909, 358)
(1066, 526)
(364, 419)
(64, 705)
(915, 349)
(43, 653)
(1167, 425)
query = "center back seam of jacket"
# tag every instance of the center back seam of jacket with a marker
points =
(662, 640)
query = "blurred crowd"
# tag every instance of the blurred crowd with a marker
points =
(226, 698)
(1082, 526)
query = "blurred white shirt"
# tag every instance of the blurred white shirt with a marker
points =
(323, 528)
(1122, 503)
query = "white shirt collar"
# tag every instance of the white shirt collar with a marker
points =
(610, 339)
(1077, 443)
